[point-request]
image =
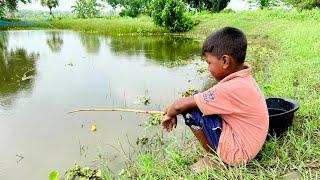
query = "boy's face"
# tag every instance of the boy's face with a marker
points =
(215, 66)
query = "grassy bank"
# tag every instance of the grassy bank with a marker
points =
(284, 51)
(112, 25)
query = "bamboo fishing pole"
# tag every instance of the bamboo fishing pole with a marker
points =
(121, 110)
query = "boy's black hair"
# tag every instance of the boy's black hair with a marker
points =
(227, 41)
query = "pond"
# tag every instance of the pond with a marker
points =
(44, 74)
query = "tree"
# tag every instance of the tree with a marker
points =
(132, 8)
(304, 4)
(171, 15)
(86, 8)
(211, 5)
(10, 5)
(50, 4)
(262, 4)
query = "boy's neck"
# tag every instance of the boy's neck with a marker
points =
(237, 68)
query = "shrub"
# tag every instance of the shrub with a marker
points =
(304, 4)
(171, 15)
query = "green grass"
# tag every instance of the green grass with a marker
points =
(284, 52)
(111, 25)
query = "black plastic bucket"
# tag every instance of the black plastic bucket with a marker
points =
(281, 113)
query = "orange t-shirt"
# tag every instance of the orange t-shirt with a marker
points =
(239, 101)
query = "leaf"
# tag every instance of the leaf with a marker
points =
(53, 175)
(93, 128)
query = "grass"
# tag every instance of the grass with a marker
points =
(284, 52)
(111, 25)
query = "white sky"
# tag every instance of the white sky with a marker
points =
(65, 5)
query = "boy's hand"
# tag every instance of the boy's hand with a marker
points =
(168, 123)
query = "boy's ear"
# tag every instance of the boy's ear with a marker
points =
(226, 59)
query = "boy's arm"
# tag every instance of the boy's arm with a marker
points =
(180, 106)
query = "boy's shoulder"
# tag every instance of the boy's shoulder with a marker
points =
(241, 83)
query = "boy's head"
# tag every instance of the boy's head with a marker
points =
(225, 51)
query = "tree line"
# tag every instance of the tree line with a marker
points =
(170, 14)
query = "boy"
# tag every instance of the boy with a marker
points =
(231, 118)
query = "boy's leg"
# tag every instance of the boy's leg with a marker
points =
(206, 161)
(207, 129)
(204, 127)
(202, 138)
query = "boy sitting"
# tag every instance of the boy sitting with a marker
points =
(231, 118)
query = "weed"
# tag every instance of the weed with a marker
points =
(83, 173)
(153, 120)
(189, 92)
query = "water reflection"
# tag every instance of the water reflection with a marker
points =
(111, 79)
(54, 40)
(90, 42)
(167, 50)
(17, 69)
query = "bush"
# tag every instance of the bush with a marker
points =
(171, 15)
(304, 4)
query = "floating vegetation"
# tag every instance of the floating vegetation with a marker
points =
(153, 120)
(202, 70)
(78, 172)
(189, 92)
(144, 100)
(70, 64)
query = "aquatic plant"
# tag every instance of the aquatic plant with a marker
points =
(153, 120)
(201, 70)
(189, 92)
(83, 173)
(144, 100)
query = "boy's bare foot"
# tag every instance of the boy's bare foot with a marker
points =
(202, 164)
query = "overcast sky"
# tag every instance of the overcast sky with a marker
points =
(65, 5)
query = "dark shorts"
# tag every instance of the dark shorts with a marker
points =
(210, 125)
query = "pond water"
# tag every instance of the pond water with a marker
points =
(45, 74)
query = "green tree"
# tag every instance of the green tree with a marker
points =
(50, 4)
(131, 8)
(10, 5)
(265, 3)
(211, 5)
(304, 4)
(170, 14)
(86, 8)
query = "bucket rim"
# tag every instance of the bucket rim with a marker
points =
(295, 103)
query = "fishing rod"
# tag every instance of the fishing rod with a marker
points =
(117, 109)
